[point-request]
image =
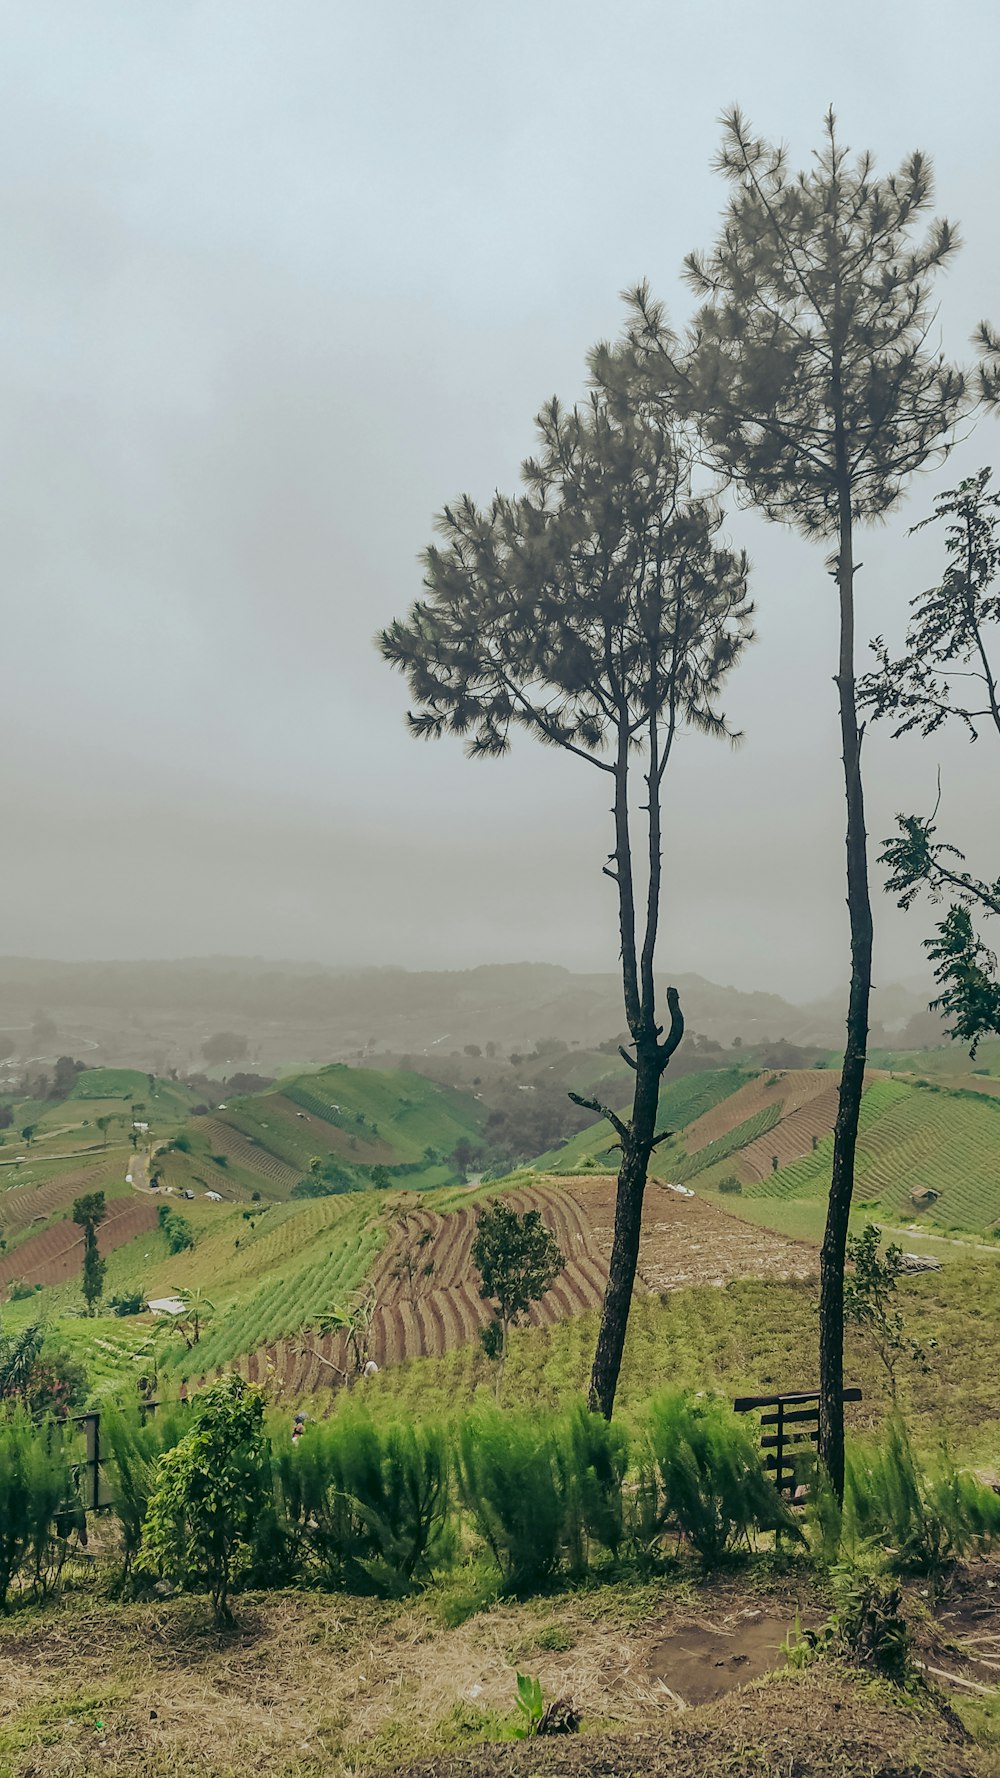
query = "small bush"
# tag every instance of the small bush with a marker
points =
(135, 1442)
(713, 1487)
(131, 1303)
(594, 1455)
(209, 1492)
(370, 1505)
(39, 1502)
(922, 1515)
(730, 1184)
(512, 1484)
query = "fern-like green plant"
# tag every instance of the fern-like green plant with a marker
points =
(593, 1454)
(713, 1487)
(37, 1495)
(513, 1486)
(135, 1442)
(370, 1504)
(923, 1515)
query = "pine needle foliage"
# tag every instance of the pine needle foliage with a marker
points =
(514, 1488)
(598, 611)
(135, 1442)
(369, 1505)
(36, 1490)
(809, 370)
(922, 1515)
(713, 1488)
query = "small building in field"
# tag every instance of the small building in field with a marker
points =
(923, 1195)
(166, 1305)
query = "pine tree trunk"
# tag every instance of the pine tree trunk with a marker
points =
(852, 1080)
(628, 1222)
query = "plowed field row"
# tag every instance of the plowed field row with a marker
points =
(684, 1241)
(22, 1204)
(791, 1137)
(55, 1254)
(791, 1090)
(225, 1140)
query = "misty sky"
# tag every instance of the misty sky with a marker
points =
(282, 278)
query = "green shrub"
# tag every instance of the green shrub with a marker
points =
(713, 1487)
(130, 1303)
(135, 1443)
(209, 1492)
(513, 1485)
(923, 1516)
(730, 1184)
(594, 1455)
(371, 1505)
(39, 1502)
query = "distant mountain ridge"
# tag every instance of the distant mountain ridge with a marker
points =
(158, 1013)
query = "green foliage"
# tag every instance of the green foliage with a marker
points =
(867, 1625)
(18, 1352)
(594, 1454)
(177, 1229)
(369, 1506)
(870, 1301)
(128, 1303)
(949, 640)
(517, 1259)
(135, 1441)
(208, 1493)
(89, 1212)
(36, 1491)
(730, 1184)
(531, 1705)
(922, 1516)
(713, 1487)
(513, 1486)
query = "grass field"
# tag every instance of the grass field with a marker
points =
(314, 1686)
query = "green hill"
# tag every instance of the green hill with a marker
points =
(349, 1120)
(770, 1138)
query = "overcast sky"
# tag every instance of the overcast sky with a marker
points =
(282, 278)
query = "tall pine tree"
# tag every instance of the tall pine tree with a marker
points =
(817, 393)
(597, 611)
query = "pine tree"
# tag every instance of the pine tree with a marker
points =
(596, 611)
(815, 391)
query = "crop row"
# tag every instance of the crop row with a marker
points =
(291, 1299)
(689, 1166)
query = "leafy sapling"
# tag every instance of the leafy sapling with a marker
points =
(870, 1302)
(517, 1260)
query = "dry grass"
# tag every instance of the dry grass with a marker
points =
(315, 1684)
(318, 1686)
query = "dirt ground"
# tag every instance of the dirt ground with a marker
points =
(689, 1241)
(319, 1686)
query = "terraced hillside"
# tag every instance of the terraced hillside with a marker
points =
(684, 1241)
(55, 1254)
(350, 1120)
(770, 1138)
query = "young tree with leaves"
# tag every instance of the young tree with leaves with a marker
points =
(88, 1214)
(817, 394)
(870, 1302)
(517, 1260)
(597, 611)
(949, 672)
(209, 1491)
